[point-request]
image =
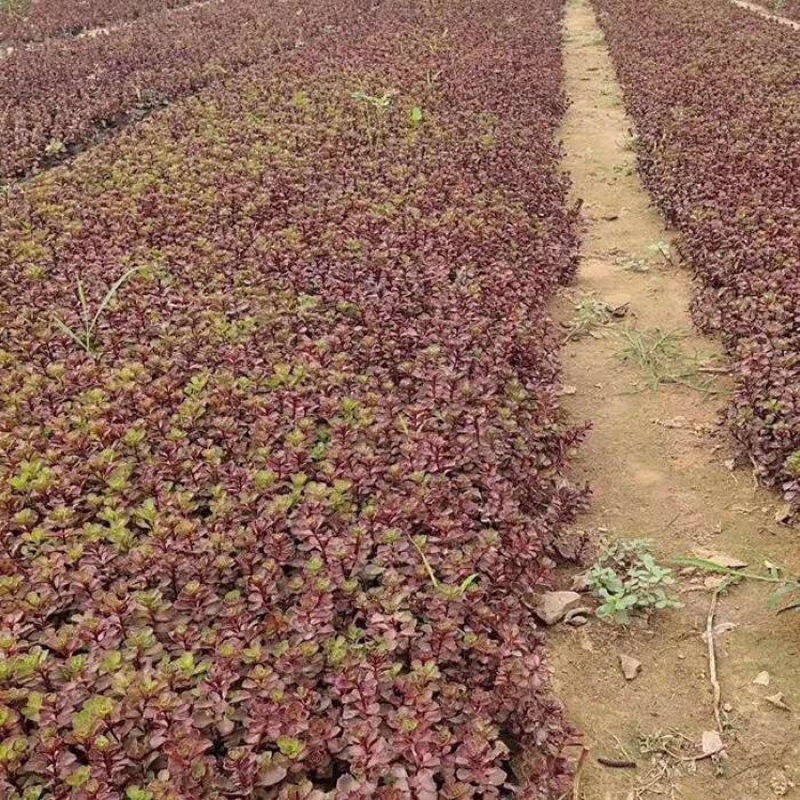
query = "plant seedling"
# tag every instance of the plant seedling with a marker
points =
(637, 265)
(375, 109)
(449, 590)
(589, 314)
(85, 337)
(627, 579)
(662, 249)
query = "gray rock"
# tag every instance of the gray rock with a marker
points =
(552, 606)
(630, 666)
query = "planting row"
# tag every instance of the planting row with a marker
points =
(60, 95)
(27, 21)
(782, 8)
(715, 93)
(271, 509)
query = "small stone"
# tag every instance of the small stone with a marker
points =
(727, 708)
(620, 310)
(552, 606)
(730, 463)
(577, 621)
(566, 388)
(711, 743)
(780, 784)
(784, 514)
(630, 666)
(762, 679)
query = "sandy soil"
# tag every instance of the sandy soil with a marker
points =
(656, 459)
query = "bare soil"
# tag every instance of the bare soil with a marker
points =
(656, 459)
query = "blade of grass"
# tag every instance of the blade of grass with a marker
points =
(111, 293)
(72, 335)
(428, 567)
(711, 566)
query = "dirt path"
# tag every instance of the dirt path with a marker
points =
(656, 461)
(766, 13)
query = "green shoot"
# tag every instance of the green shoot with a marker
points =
(446, 589)
(785, 586)
(85, 336)
(626, 578)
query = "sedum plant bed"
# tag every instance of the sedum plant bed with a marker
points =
(782, 8)
(713, 90)
(64, 94)
(28, 21)
(270, 532)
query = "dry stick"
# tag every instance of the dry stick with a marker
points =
(642, 790)
(576, 786)
(575, 794)
(715, 370)
(712, 659)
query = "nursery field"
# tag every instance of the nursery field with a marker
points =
(782, 8)
(24, 21)
(271, 513)
(286, 466)
(715, 95)
(66, 93)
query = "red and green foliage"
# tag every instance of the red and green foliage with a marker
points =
(61, 94)
(715, 94)
(272, 537)
(28, 21)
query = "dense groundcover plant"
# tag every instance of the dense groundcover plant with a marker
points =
(272, 537)
(25, 21)
(60, 95)
(783, 8)
(713, 90)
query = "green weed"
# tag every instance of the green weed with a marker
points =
(450, 591)
(627, 579)
(374, 108)
(85, 336)
(660, 358)
(787, 588)
(589, 315)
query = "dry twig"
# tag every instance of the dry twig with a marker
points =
(712, 660)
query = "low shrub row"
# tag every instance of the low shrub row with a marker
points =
(61, 94)
(715, 94)
(268, 526)
(27, 21)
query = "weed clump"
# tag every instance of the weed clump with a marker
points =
(627, 579)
